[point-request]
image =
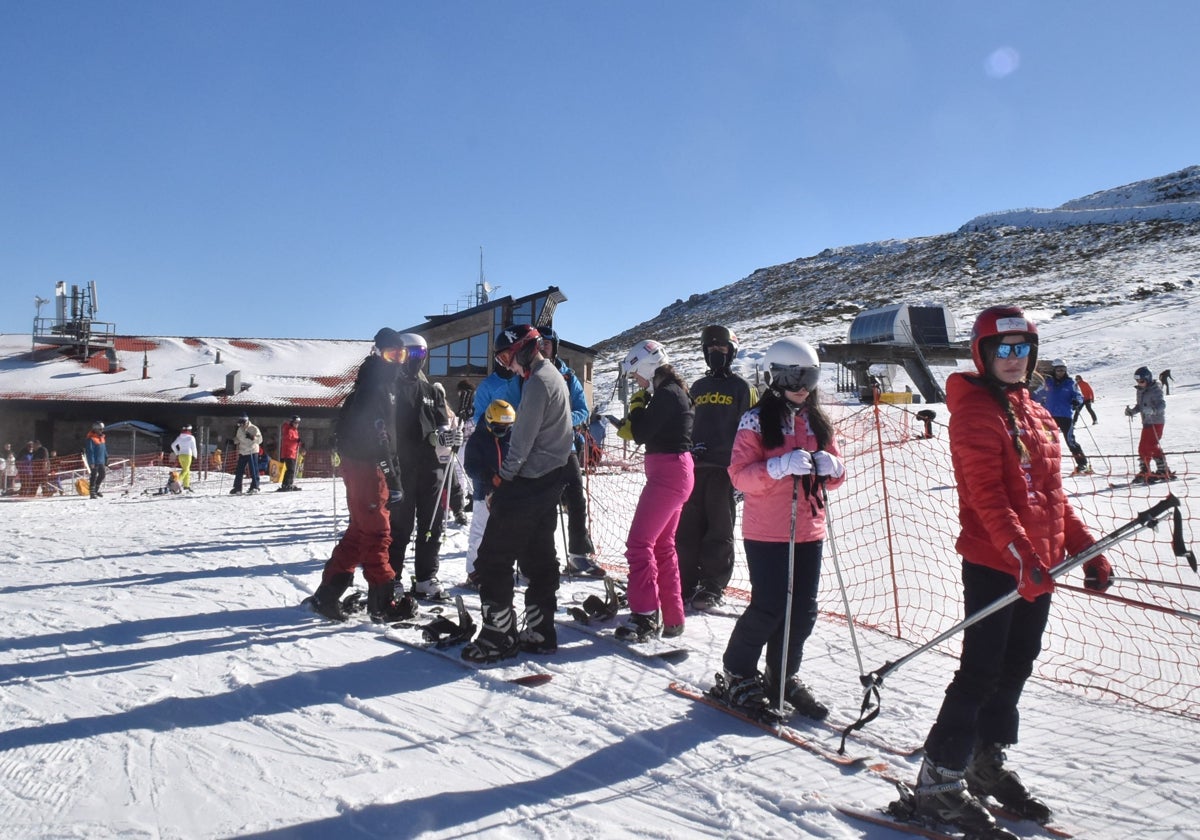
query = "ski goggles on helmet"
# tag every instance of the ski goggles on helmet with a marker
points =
(500, 429)
(794, 377)
(1021, 351)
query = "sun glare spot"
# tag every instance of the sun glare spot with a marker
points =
(1002, 62)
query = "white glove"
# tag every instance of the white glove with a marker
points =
(796, 462)
(447, 436)
(830, 465)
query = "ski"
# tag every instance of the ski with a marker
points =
(597, 617)
(783, 733)
(897, 815)
(414, 638)
(888, 821)
(663, 649)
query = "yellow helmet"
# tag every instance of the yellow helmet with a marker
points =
(500, 413)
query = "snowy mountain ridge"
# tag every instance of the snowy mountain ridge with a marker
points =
(1124, 243)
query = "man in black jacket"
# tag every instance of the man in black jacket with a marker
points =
(370, 470)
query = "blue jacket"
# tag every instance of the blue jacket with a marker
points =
(1061, 397)
(96, 449)
(495, 387)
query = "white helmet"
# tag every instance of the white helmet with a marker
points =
(791, 364)
(416, 351)
(645, 358)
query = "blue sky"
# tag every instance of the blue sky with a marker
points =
(320, 169)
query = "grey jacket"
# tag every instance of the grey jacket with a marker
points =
(542, 437)
(1150, 404)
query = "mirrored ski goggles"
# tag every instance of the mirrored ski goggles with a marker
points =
(794, 377)
(1021, 351)
(395, 355)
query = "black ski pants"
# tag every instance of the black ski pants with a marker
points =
(520, 529)
(579, 541)
(997, 658)
(704, 538)
(764, 621)
(421, 511)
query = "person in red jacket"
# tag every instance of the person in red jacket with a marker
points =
(289, 448)
(1015, 525)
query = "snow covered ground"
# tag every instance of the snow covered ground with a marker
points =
(159, 680)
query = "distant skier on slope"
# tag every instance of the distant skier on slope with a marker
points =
(1153, 408)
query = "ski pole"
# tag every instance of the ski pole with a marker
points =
(837, 569)
(787, 611)
(1165, 584)
(1136, 457)
(437, 508)
(874, 681)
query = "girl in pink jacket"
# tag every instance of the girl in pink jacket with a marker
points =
(784, 446)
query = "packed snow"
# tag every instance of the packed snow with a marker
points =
(159, 679)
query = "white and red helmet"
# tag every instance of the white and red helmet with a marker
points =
(994, 323)
(645, 358)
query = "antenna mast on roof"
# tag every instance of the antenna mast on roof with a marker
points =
(483, 289)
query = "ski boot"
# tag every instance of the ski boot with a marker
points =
(1083, 469)
(745, 695)
(538, 635)
(986, 776)
(941, 799)
(498, 638)
(796, 694)
(639, 627)
(383, 606)
(1161, 473)
(326, 600)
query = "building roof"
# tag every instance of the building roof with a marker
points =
(291, 372)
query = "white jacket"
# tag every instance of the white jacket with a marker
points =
(247, 438)
(185, 444)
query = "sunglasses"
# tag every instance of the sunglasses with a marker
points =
(1021, 351)
(794, 377)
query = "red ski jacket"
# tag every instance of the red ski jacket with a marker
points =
(1002, 500)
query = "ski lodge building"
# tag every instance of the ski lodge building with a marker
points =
(76, 370)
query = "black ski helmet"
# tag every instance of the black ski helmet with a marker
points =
(1143, 374)
(518, 343)
(715, 334)
(549, 341)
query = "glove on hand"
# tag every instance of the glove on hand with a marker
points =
(625, 431)
(1097, 574)
(829, 465)
(796, 462)
(447, 436)
(1130, 411)
(1033, 573)
(395, 497)
(639, 400)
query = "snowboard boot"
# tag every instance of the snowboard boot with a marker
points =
(581, 565)
(744, 694)
(327, 599)
(706, 598)
(639, 627)
(429, 590)
(941, 797)
(497, 640)
(795, 693)
(384, 606)
(987, 776)
(538, 635)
